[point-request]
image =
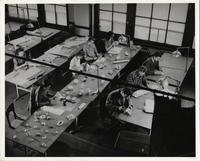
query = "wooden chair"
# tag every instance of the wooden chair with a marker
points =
(133, 142)
(17, 120)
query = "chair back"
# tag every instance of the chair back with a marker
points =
(32, 104)
(8, 112)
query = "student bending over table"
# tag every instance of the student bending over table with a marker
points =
(137, 77)
(90, 51)
(152, 64)
(117, 101)
(104, 45)
(18, 63)
(75, 63)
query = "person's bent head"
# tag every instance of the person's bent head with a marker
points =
(142, 70)
(125, 92)
(109, 35)
(157, 55)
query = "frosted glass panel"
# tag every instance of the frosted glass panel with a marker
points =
(159, 24)
(143, 10)
(105, 15)
(12, 11)
(33, 14)
(106, 6)
(157, 35)
(174, 38)
(61, 19)
(61, 9)
(49, 8)
(105, 25)
(161, 11)
(154, 35)
(32, 6)
(119, 17)
(23, 13)
(22, 5)
(120, 7)
(142, 21)
(119, 28)
(161, 36)
(82, 32)
(176, 27)
(178, 12)
(50, 17)
(141, 32)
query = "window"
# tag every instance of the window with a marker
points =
(23, 11)
(112, 17)
(163, 23)
(56, 14)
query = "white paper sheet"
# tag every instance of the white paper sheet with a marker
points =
(139, 93)
(149, 106)
(53, 110)
(115, 50)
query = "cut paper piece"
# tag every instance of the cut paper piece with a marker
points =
(115, 50)
(120, 61)
(52, 109)
(139, 93)
(82, 105)
(149, 106)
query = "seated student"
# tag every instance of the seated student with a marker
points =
(107, 43)
(117, 100)
(90, 51)
(19, 62)
(152, 64)
(137, 77)
(41, 94)
(75, 63)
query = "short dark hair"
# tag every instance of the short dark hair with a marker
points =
(157, 54)
(19, 49)
(142, 69)
(91, 38)
(127, 91)
(109, 34)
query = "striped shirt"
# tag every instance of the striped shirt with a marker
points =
(136, 79)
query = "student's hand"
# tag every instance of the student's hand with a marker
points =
(120, 108)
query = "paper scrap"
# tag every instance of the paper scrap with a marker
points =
(53, 110)
(149, 106)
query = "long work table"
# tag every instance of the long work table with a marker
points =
(174, 68)
(30, 40)
(25, 77)
(43, 128)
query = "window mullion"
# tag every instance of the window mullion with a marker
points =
(167, 23)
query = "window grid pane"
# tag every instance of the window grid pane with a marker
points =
(120, 7)
(12, 11)
(143, 10)
(160, 11)
(106, 7)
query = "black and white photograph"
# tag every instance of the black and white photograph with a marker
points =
(100, 79)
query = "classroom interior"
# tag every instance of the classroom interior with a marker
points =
(76, 122)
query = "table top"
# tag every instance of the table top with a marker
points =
(138, 115)
(14, 26)
(75, 105)
(173, 67)
(69, 47)
(54, 59)
(29, 41)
